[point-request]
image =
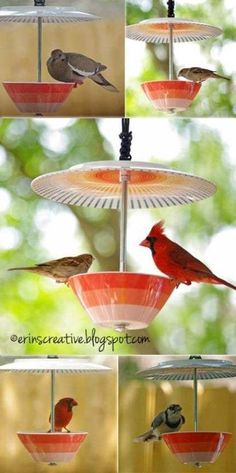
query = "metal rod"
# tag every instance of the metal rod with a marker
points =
(195, 400)
(123, 218)
(39, 49)
(52, 400)
(171, 53)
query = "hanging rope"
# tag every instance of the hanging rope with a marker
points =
(171, 8)
(39, 3)
(126, 139)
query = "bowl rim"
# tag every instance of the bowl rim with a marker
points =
(199, 432)
(180, 81)
(52, 433)
(61, 84)
(129, 273)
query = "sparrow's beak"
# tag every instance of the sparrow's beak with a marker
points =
(145, 243)
(74, 403)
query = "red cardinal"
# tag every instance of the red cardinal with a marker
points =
(63, 413)
(176, 262)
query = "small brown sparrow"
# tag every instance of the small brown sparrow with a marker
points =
(198, 74)
(61, 269)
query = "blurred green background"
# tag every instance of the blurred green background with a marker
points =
(145, 62)
(199, 318)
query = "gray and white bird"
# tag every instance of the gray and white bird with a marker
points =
(61, 269)
(198, 74)
(73, 67)
(170, 420)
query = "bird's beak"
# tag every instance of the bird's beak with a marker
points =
(178, 409)
(145, 243)
(74, 403)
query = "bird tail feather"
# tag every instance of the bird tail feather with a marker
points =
(217, 280)
(146, 437)
(30, 268)
(218, 76)
(100, 80)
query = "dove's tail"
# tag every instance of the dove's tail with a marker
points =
(100, 80)
(147, 437)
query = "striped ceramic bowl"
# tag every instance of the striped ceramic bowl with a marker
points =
(172, 95)
(122, 300)
(38, 97)
(56, 447)
(197, 447)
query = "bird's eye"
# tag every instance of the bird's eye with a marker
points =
(151, 239)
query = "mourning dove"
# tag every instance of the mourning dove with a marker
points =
(198, 74)
(61, 269)
(73, 67)
(169, 420)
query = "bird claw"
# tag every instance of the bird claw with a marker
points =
(187, 283)
(79, 82)
(177, 283)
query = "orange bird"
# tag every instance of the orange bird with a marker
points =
(176, 262)
(63, 413)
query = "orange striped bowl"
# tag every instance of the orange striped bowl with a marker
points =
(52, 447)
(116, 299)
(197, 447)
(38, 97)
(173, 95)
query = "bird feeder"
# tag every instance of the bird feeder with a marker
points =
(171, 95)
(40, 97)
(195, 447)
(52, 447)
(121, 299)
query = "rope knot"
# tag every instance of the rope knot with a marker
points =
(39, 3)
(171, 8)
(126, 139)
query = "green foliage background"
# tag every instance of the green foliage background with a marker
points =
(216, 98)
(199, 320)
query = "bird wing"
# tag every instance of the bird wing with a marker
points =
(187, 261)
(83, 65)
(66, 261)
(199, 70)
(158, 420)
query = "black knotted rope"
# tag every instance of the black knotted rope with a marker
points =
(126, 139)
(39, 3)
(195, 357)
(171, 8)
